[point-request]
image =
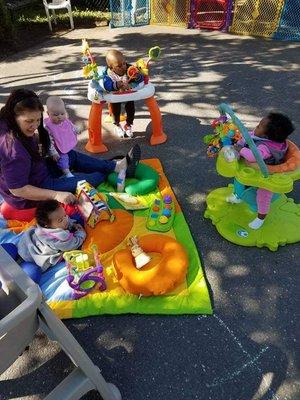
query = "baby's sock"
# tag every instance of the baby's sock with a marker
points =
(256, 223)
(121, 164)
(68, 175)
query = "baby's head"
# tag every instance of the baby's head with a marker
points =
(274, 126)
(115, 60)
(56, 109)
(50, 214)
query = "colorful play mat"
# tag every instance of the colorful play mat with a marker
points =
(174, 270)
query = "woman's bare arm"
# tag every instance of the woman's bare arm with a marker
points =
(30, 192)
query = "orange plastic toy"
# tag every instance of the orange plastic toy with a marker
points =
(166, 270)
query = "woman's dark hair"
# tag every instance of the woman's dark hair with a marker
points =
(19, 101)
(279, 127)
(43, 210)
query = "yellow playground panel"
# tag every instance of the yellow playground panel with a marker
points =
(256, 17)
(170, 12)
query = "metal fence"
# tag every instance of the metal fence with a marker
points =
(129, 13)
(210, 14)
(99, 5)
(277, 19)
(256, 17)
(170, 12)
(289, 24)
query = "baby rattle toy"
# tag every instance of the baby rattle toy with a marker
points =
(84, 271)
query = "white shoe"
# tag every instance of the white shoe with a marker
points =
(233, 199)
(119, 131)
(128, 131)
(256, 223)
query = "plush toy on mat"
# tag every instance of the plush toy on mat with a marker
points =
(85, 271)
(140, 257)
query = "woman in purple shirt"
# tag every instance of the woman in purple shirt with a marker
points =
(26, 176)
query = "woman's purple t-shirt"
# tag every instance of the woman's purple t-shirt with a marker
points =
(18, 169)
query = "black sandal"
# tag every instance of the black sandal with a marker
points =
(133, 157)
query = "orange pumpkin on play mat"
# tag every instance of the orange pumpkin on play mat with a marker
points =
(161, 275)
(107, 235)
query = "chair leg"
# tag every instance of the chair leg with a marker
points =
(71, 17)
(48, 18)
(49, 322)
(54, 17)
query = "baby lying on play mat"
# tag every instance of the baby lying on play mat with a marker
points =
(270, 138)
(55, 233)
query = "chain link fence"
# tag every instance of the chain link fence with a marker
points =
(210, 14)
(170, 12)
(289, 24)
(256, 17)
(129, 13)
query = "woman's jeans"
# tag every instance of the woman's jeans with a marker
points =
(83, 167)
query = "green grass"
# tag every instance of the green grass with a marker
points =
(36, 15)
(30, 26)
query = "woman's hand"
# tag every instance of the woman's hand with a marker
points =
(65, 198)
(55, 157)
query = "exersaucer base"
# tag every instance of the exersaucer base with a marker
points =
(282, 225)
(94, 148)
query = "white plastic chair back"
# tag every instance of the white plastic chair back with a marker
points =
(57, 5)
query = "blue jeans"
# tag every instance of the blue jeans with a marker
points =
(93, 170)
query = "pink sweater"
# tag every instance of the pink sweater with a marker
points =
(264, 149)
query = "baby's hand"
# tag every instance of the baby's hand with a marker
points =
(123, 86)
(77, 130)
(237, 147)
(78, 227)
(55, 157)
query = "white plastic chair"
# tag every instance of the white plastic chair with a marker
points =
(57, 5)
(23, 311)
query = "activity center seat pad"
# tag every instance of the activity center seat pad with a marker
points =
(183, 275)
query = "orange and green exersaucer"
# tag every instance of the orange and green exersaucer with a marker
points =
(282, 224)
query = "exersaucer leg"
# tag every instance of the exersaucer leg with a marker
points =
(94, 144)
(158, 136)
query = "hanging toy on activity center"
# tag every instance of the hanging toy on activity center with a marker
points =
(226, 135)
(142, 66)
(90, 69)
